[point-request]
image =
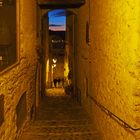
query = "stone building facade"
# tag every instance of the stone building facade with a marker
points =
(17, 83)
(110, 76)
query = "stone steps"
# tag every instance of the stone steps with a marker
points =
(62, 137)
(60, 122)
(63, 130)
(60, 118)
(60, 129)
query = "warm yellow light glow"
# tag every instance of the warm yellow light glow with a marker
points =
(54, 65)
(47, 71)
(66, 62)
(54, 60)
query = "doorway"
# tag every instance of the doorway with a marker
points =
(59, 45)
(57, 38)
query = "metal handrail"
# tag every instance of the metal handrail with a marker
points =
(112, 115)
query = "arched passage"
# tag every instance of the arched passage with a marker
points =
(59, 45)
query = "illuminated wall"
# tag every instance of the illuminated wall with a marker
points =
(66, 62)
(110, 63)
(70, 46)
(45, 52)
(20, 79)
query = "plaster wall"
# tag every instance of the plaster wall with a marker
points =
(109, 64)
(20, 78)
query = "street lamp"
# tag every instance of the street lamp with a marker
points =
(54, 60)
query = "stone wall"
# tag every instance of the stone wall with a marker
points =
(111, 64)
(20, 78)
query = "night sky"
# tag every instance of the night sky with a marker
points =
(57, 20)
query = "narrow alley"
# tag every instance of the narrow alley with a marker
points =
(91, 48)
(60, 118)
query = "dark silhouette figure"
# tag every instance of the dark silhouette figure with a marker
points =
(62, 80)
(58, 80)
(55, 82)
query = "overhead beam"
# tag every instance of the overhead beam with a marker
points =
(50, 4)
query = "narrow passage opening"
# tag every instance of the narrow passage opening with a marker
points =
(58, 63)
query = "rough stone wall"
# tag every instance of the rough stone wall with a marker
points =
(20, 78)
(111, 64)
(83, 57)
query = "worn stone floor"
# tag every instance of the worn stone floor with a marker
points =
(60, 118)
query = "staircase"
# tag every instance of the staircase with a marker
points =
(60, 118)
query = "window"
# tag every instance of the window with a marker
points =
(8, 50)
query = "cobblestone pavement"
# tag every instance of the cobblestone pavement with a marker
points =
(60, 118)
